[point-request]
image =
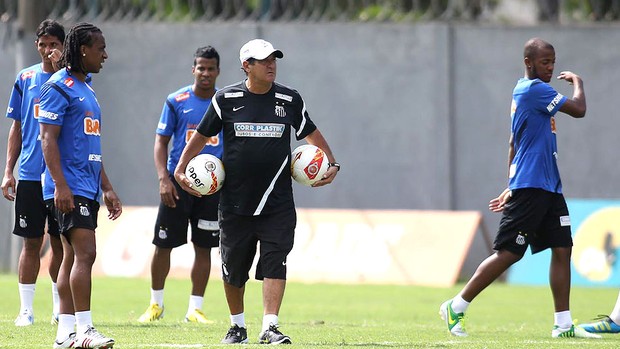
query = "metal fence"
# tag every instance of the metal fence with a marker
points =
(322, 10)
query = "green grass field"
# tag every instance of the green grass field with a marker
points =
(317, 316)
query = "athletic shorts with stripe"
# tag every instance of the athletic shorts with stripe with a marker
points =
(534, 217)
(84, 214)
(239, 236)
(31, 213)
(171, 224)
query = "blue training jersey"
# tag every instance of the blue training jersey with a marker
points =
(533, 128)
(24, 107)
(72, 104)
(179, 119)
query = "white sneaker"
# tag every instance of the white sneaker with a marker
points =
(67, 343)
(454, 321)
(26, 318)
(93, 339)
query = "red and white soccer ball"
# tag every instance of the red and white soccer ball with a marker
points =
(206, 173)
(308, 164)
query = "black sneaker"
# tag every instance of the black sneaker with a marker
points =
(236, 335)
(274, 336)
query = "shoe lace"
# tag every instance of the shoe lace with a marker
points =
(233, 331)
(602, 317)
(274, 329)
(92, 332)
(461, 320)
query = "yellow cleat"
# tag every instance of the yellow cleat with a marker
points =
(198, 316)
(153, 312)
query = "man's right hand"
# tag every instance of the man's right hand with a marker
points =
(8, 187)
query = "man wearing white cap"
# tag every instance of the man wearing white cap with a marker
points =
(257, 116)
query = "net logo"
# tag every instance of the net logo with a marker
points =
(92, 127)
(47, 114)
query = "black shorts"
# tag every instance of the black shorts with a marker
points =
(201, 213)
(31, 212)
(239, 236)
(534, 217)
(84, 215)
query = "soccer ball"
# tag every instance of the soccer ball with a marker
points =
(308, 164)
(206, 173)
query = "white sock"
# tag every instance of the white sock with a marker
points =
(26, 295)
(615, 314)
(157, 296)
(563, 319)
(459, 305)
(238, 319)
(195, 302)
(55, 299)
(83, 319)
(269, 319)
(66, 326)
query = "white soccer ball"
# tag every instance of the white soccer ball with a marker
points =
(308, 164)
(206, 173)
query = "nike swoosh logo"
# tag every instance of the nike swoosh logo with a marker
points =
(81, 99)
(237, 108)
(185, 111)
(451, 321)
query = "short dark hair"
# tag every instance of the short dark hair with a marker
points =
(50, 27)
(207, 52)
(533, 46)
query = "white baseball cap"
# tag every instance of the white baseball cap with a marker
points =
(258, 49)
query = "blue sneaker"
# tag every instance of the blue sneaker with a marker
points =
(603, 325)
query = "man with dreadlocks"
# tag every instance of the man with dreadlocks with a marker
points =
(70, 122)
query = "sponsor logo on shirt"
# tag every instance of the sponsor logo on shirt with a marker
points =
(554, 102)
(69, 82)
(212, 141)
(161, 126)
(91, 127)
(565, 221)
(248, 129)
(233, 94)
(94, 157)
(181, 97)
(28, 74)
(9, 110)
(47, 115)
(284, 97)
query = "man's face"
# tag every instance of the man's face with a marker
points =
(95, 54)
(45, 45)
(543, 64)
(205, 73)
(264, 70)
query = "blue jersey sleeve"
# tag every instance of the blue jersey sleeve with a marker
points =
(53, 104)
(167, 120)
(14, 110)
(546, 98)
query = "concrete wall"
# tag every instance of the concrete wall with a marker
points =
(418, 115)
